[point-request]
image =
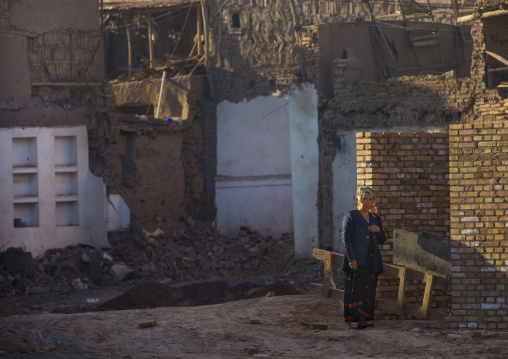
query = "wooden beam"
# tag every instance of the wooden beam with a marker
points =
(404, 274)
(150, 38)
(199, 44)
(129, 44)
(65, 84)
(161, 92)
(317, 289)
(497, 57)
(328, 271)
(402, 291)
(200, 61)
(499, 69)
(209, 74)
(427, 297)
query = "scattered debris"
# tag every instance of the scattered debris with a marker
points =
(320, 326)
(252, 350)
(149, 324)
(193, 254)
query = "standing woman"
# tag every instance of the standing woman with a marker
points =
(362, 233)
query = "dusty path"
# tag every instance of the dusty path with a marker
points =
(285, 330)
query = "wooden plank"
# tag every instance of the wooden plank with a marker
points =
(66, 84)
(499, 69)
(429, 284)
(389, 270)
(321, 253)
(126, 129)
(129, 44)
(402, 291)
(206, 30)
(328, 270)
(497, 57)
(381, 304)
(317, 289)
(198, 43)
(150, 38)
(404, 274)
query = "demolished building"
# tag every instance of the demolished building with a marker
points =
(54, 121)
(248, 62)
(238, 142)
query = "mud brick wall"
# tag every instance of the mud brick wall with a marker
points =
(66, 56)
(479, 230)
(409, 173)
(254, 48)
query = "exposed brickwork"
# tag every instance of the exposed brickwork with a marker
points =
(479, 210)
(409, 173)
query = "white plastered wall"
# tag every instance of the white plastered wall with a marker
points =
(48, 188)
(344, 183)
(253, 184)
(303, 119)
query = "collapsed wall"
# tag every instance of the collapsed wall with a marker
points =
(156, 165)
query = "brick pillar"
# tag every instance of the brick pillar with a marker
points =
(479, 225)
(409, 173)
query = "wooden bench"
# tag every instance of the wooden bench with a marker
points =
(329, 290)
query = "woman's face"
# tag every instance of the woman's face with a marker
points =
(366, 203)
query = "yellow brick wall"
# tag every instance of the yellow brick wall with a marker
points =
(479, 224)
(409, 173)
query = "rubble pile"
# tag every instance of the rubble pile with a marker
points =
(173, 257)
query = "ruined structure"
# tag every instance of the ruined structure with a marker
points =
(251, 54)
(54, 119)
(421, 142)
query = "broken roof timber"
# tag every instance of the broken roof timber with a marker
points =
(487, 9)
(125, 6)
(484, 15)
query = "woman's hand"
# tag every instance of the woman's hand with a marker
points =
(374, 229)
(353, 264)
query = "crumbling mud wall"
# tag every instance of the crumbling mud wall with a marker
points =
(156, 165)
(255, 50)
(56, 68)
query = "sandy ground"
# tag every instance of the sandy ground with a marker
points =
(274, 327)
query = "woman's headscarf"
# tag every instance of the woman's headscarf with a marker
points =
(362, 191)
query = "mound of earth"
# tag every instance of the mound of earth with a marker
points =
(157, 295)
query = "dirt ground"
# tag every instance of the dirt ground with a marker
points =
(174, 307)
(275, 322)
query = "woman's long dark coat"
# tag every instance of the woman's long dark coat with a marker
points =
(355, 236)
